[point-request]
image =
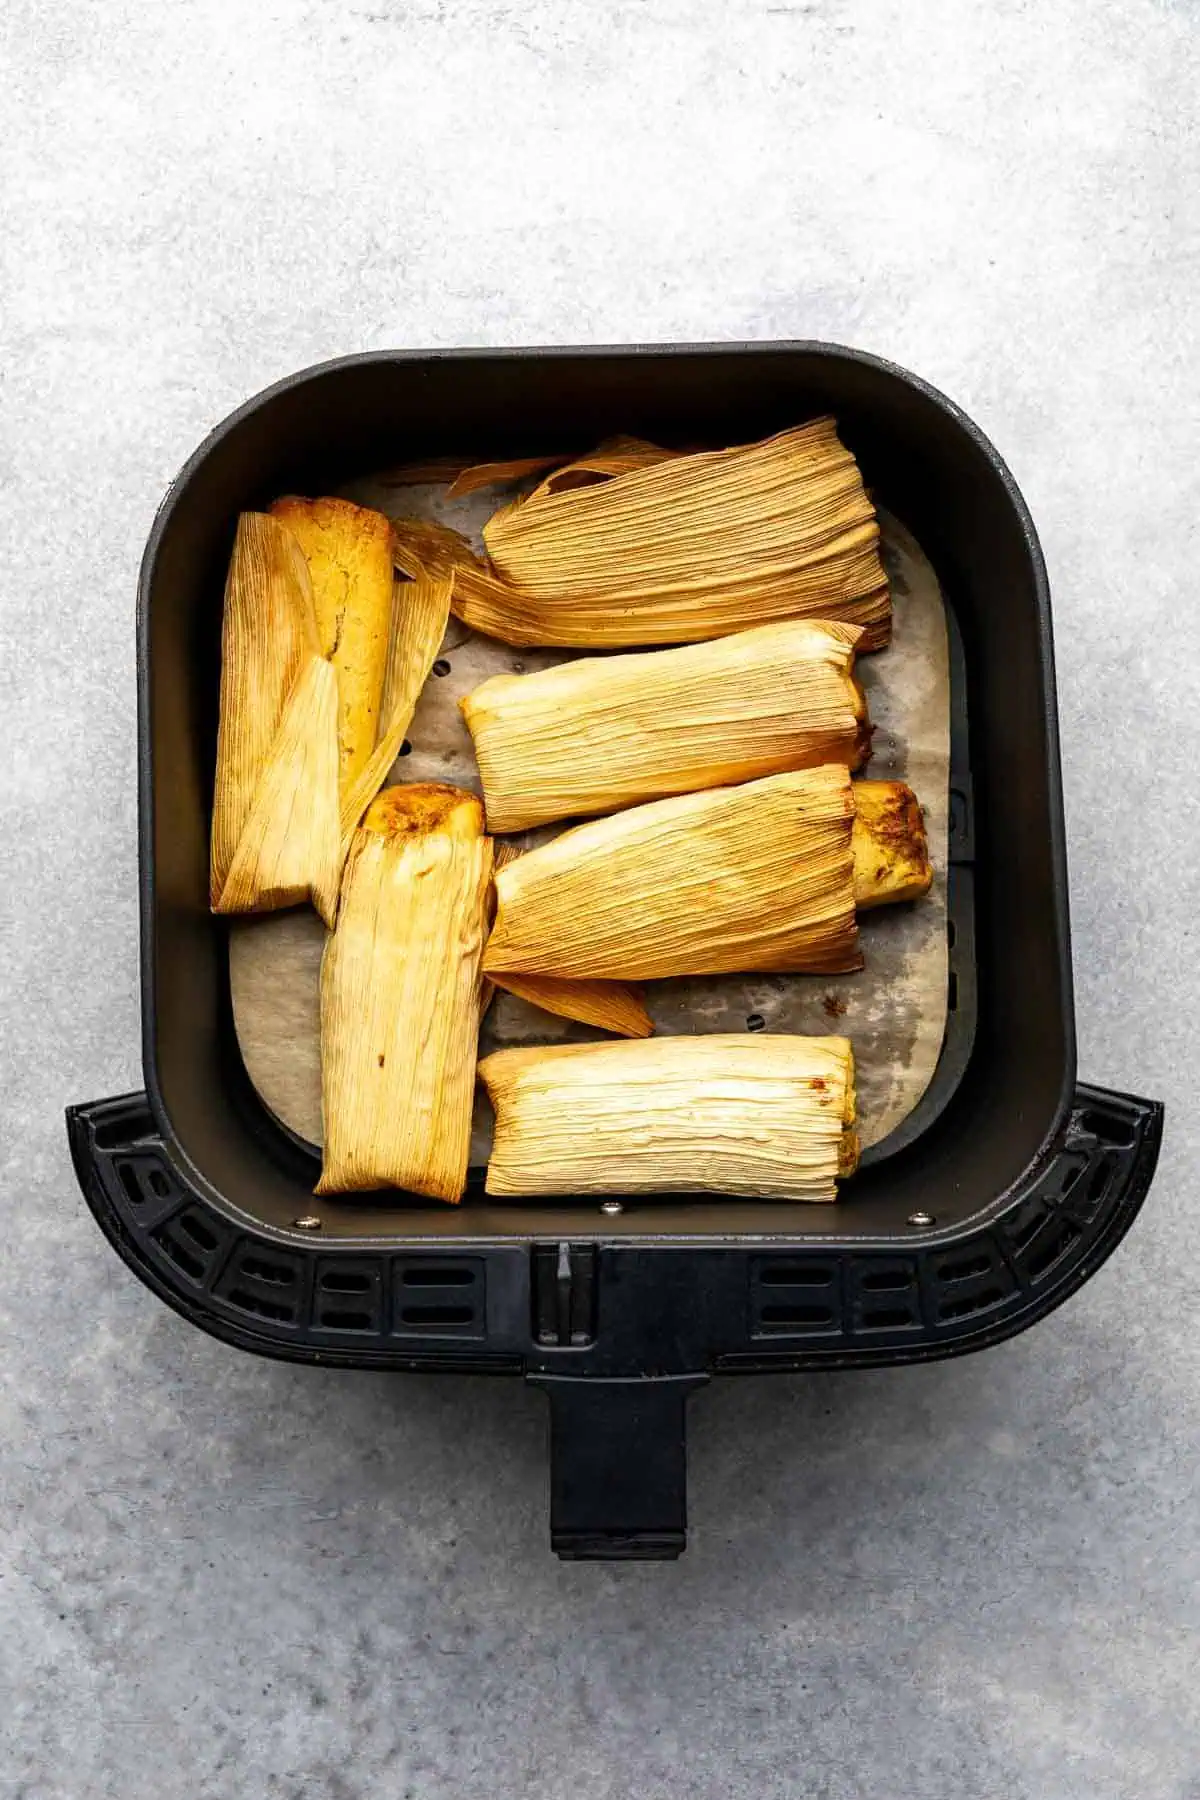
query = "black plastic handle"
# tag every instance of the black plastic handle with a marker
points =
(618, 1466)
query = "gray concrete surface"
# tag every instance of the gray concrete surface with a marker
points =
(226, 1578)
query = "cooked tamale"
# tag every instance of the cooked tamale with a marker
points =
(685, 548)
(760, 876)
(891, 857)
(605, 732)
(400, 995)
(348, 549)
(764, 1117)
(275, 831)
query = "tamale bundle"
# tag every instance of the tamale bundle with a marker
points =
(766, 1117)
(400, 995)
(323, 655)
(683, 548)
(757, 877)
(605, 732)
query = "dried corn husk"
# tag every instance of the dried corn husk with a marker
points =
(688, 548)
(615, 456)
(605, 732)
(891, 855)
(400, 995)
(420, 612)
(741, 878)
(494, 474)
(348, 549)
(765, 1117)
(274, 833)
(609, 1005)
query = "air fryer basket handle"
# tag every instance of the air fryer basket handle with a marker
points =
(618, 1456)
(618, 1465)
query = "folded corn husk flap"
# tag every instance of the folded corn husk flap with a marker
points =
(766, 1117)
(400, 995)
(348, 550)
(608, 1005)
(894, 1009)
(420, 612)
(275, 839)
(686, 547)
(600, 733)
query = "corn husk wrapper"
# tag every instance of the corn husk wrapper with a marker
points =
(348, 549)
(607, 732)
(615, 456)
(420, 613)
(305, 580)
(688, 548)
(610, 1005)
(275, 835)
(759, 1117)
(496, 474)
(400, 995)
(734, 879)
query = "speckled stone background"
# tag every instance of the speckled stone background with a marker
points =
(225, 1578)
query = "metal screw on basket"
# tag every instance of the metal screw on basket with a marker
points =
(309, 1222)
(611, 1208)
(921, 1218)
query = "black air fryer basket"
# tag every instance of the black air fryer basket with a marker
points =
(999, 1196)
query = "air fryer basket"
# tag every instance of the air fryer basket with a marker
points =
(1005, 1189)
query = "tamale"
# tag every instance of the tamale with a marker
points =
(348, 549)
(605, 732)
(766, 1117)
(687, 548)
(275, 831)
(760, 876)
(400, 995)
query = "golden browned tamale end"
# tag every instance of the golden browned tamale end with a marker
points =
(348, 549)
(400, 995)
(891, 852)
(768, 1117)
(602, 733)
